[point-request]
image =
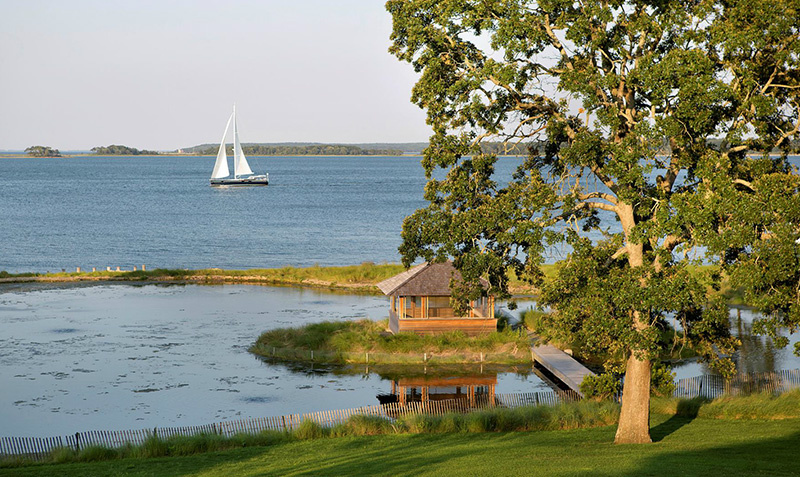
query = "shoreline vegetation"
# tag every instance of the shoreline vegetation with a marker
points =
(368, 342)
(351, 278)
(757, 433)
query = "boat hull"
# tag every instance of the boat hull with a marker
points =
(242, 181)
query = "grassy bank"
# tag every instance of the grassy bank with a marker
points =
(359, 278)
(573, 439)
(367, 341)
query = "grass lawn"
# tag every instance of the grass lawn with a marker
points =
(683, 446)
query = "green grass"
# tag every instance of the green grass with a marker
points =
(350, 341)
(755, 406)
(683, 446)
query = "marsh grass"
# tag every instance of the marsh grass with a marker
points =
(354, 277)
(351, 341)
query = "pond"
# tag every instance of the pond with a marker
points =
(80, 357)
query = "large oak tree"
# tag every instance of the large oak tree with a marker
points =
(619, 101)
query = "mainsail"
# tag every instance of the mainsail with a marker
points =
(221, 166)
(240, 165)
(242, 174)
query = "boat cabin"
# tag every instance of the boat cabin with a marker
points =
(419, 302)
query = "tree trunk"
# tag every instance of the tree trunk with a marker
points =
(634, 420)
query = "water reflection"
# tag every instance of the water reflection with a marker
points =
(472, 390)
(757, 354)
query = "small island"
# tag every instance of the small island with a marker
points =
(42, 151)
(117, 150)
(369, 342)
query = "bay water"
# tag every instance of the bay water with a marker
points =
(160, 211)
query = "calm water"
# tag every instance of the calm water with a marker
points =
(78, 357)
(160, 211)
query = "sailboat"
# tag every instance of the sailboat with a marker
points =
(242, 174)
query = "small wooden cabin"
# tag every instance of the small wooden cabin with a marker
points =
(419, 302)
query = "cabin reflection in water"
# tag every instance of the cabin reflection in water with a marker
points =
(474, 390)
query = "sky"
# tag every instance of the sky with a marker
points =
(164, 74)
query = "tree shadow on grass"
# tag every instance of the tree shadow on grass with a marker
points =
(756, 456)
(686, 412)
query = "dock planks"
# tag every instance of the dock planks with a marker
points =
(561, 365)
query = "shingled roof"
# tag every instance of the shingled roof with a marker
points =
(427, 279)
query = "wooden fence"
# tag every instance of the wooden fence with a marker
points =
(712, 386)
(39, 448)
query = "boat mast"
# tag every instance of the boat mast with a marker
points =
(235, 139)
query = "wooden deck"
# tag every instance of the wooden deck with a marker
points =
(423, 326)
(561, 365)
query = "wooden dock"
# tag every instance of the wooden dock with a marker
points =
(561, 365)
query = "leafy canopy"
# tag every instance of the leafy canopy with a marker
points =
(618, 102)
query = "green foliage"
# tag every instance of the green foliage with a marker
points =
(621, 121)
(42, 151)
(662, 380)
(600, 386)
(116, 150)
(533, 320)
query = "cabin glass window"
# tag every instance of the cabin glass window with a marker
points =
(413, 308)
(439, 307)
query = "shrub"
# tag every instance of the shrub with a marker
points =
(602, 386)
(662, 381)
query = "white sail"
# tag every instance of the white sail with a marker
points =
(240, 165)
(221, 165)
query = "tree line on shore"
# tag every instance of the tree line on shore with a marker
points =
(117, 150)
(306, 150)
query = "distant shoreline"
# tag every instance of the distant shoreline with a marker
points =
(66, 156)
(353, 279)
